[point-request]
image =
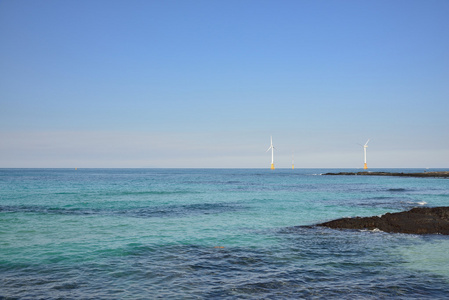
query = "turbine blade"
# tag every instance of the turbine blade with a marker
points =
(367, 142)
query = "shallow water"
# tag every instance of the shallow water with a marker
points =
(206, 233)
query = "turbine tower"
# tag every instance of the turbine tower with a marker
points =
(293, 162)
(364, 151)
(272, 153)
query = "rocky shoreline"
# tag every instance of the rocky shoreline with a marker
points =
(420, 220)
(444, 174)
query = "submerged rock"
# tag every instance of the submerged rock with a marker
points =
(420, 220)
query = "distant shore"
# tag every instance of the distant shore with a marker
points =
(444, 174)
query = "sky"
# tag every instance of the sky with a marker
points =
(204, 84)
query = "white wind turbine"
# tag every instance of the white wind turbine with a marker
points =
(272, 153)
(293, 161)
(364, 151)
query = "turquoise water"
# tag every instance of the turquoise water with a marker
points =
(212, 233)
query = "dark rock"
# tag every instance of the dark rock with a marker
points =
(420, 220)
(444, 174)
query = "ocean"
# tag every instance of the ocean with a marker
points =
(213, 234)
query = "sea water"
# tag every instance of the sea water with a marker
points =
(213, 233)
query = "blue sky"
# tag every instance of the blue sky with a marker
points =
(205, 83)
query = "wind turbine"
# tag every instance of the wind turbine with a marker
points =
(364, 151)
(272, 153)
(293, 161)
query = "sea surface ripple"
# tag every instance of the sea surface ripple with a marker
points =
(213, 233)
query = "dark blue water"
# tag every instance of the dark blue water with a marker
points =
(212, 233)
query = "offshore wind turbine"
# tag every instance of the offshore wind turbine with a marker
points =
(272, 153)
(364, 151)
(293, 161)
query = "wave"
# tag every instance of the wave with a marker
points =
(155, 193)
(126, 193)
(419, 203)
(373, 230)
(397, 190)
(136, 212)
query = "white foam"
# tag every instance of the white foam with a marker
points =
(372, 230)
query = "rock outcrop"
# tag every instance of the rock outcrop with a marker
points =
(420, 220)
(424, 174)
